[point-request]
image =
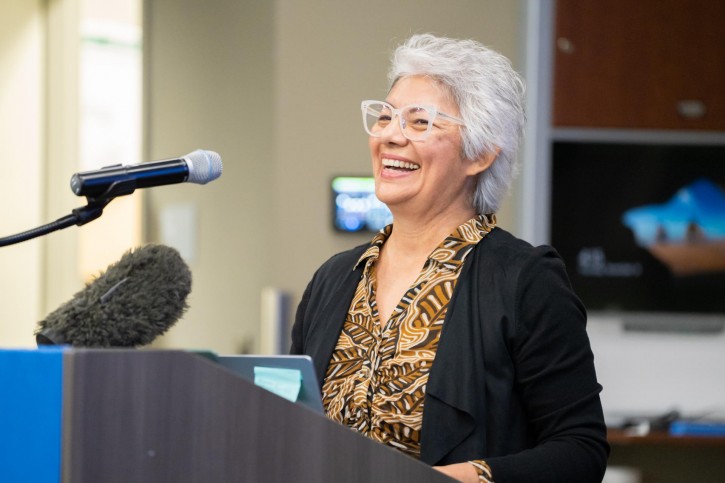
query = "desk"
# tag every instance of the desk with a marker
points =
(663, 458)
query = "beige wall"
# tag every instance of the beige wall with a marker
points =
(21, 130)
(39, 137)
(210, 85)
(275, 88)
(61, 277)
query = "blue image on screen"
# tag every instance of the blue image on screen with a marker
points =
(355, 206)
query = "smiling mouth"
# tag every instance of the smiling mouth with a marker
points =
(400, 165)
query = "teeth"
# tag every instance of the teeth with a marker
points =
(396, 163)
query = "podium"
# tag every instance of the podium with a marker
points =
(117, 415)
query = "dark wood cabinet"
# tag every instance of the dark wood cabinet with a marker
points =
(662, 458)
(645, 64)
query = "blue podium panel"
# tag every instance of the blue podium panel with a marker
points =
(31, 383)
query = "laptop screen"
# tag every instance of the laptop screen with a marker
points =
(263, 369)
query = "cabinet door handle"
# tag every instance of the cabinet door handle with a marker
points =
(565, 45)
(691, 108)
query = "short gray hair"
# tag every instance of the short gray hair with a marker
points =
(490, 97)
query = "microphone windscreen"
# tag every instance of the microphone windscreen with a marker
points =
(135, 300)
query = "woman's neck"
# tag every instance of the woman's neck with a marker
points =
(417, 236)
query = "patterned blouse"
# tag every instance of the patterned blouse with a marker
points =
(377, 376)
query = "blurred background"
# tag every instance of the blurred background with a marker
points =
(274, 87)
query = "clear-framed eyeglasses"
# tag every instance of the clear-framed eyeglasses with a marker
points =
(416, 122)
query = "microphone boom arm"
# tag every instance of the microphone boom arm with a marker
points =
(79, 216)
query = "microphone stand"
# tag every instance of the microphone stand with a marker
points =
(79, 216)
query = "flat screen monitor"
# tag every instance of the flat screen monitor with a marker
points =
(355, 208)
(641, 227)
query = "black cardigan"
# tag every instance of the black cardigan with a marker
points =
(513, 379)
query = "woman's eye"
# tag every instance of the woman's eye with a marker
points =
(418, 123)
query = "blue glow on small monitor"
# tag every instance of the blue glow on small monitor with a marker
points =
(356, 209)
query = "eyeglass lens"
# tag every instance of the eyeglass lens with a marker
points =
(415, 120)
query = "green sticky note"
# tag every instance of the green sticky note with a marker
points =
(283, 382)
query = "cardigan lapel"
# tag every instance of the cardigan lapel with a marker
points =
(326, 329)
(453, 396)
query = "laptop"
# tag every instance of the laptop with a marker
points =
(245, 366)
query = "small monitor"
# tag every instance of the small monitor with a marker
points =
(355, 207)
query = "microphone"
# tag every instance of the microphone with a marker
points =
(198, 167)
(137, 299)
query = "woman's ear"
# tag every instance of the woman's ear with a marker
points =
(483, 162)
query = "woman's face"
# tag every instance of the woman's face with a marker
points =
(432, 177)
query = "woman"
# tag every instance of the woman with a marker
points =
(446, 337)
